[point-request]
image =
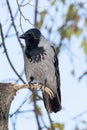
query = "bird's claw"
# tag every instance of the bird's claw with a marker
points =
(31, 85)
(48, 91)
(43, 88)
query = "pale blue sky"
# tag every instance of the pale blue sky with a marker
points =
(74, 93)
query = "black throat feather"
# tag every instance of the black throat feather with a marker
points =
(30, 46)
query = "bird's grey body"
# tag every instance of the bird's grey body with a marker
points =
(42, 69)
(41, 65)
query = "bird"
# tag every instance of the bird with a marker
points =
(41, 65)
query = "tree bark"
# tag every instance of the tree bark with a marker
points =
(6, 95)
(7, 92)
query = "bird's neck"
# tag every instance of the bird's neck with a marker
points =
(31, 45)
(29, 49)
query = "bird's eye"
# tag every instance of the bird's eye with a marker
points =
(29, 35)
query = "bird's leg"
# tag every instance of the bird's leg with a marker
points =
(31, 84)
(43, 87)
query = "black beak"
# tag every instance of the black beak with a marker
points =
(22, 36)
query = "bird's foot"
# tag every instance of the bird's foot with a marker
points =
(31, 85)
(47, 90)
(35, 85)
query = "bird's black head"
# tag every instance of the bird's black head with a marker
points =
(32, 38)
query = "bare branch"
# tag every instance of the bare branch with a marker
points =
(35, 18)
(12, 18)
(51, 122)
(21, 5)
(7, 56)
(84, 74)
(21, 14)
(79, 115)
(9, 28)
(28, 3)
(36, 112)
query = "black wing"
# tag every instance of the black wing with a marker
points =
(57, 73)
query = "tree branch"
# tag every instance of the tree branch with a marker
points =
(7, 56)
(36, 112)
(21, 14)
(85, 73)
(9, 28)
(12, 18)
(6, 96)
(7, 92)
(35, 18)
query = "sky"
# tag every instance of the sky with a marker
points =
(74, 93)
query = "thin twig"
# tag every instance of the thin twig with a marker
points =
(25, 4)
(35, 17)
(79, 115)
(12, 19)
(17, 111)
(7, 56)
(21, 14)
(9, 28)
(28, 3)
(36, 112)
(85, 73)
(44, 125)
(52, 127)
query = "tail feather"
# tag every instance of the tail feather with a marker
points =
(52, 105)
